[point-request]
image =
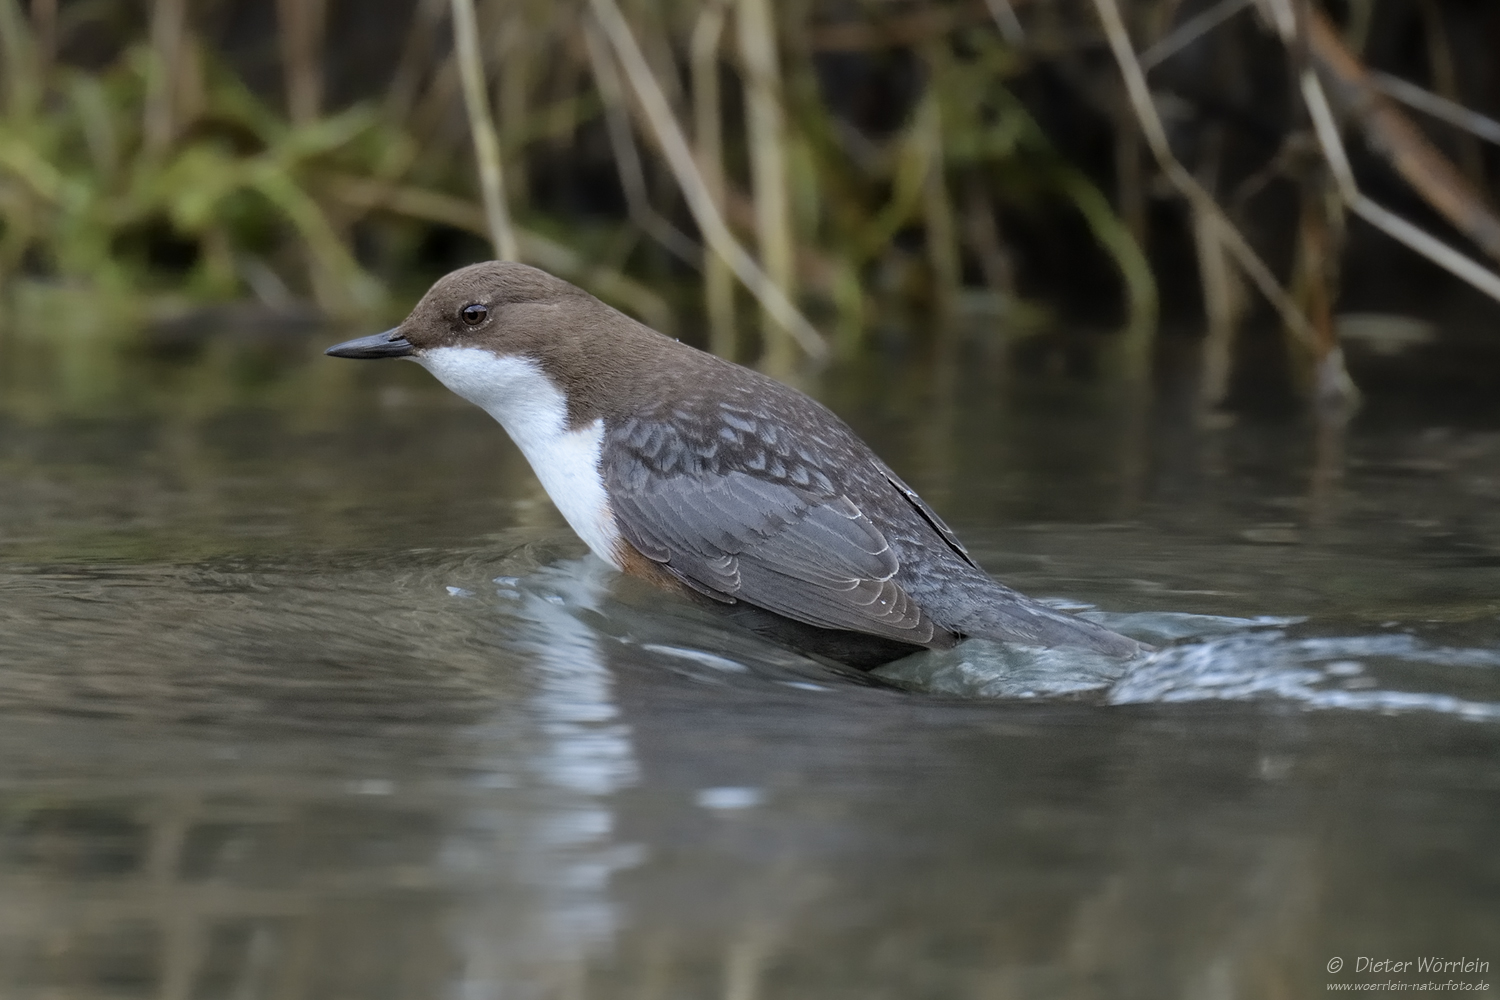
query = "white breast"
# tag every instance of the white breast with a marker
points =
(516, 392)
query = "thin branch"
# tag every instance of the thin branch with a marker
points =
(653, 104)
(1185, 183)
(482, 130)
(1190, 31)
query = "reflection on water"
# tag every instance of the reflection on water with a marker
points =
(576, 754)
(304, 693)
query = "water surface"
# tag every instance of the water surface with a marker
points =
(305, 691)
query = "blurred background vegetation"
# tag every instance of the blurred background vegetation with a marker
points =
(772, 181)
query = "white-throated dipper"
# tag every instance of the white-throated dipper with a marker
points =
(712, 479)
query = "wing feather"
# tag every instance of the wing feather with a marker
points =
(733, 536)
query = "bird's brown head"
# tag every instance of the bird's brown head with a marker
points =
(598, 358)
(498, 305)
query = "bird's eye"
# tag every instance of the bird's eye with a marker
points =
(474, 314)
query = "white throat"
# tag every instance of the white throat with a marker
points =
(517, 393)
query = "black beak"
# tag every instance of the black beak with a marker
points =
(378, 345)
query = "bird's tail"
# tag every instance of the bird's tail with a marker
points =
(1011, 617)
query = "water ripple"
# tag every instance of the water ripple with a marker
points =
(1226, 659)
(1343, 672)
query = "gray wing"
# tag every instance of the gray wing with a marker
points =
(930, 516)
(813, 558)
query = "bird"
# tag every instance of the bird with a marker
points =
(711, 479)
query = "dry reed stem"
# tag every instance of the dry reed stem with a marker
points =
(765, 129)
(983, 236)
(1361, 19)
(923, 25)
(168, 26)
(1201, 201)
(1222, 307)
(431, 206)
(1190, 31)
(653, 105)
(44, 29)
(515, 54)
(416, 55)
(708, 137)
(1414, 157)
(482, 130)
(1445, 82)
(1319, 245)
(1005, 19)
(941, 232)
(627, 156)
(1392, 134)
(19, 49)
(653, 34)
(1130, 174)
(1223, 297)
(301, 24)
(1438, 107)
(428, 121)
(1429, 246)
